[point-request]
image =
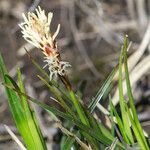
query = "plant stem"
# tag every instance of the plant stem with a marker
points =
(75, 101)
(66, 82)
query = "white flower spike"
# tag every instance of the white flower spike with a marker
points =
(36, 30)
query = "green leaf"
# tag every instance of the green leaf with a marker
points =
(67, 144)
(102, 90)
(124, 114)
(130, 96)
(111, 118)
(119, 122)
(31, 120)
(16, 109)
(59, 98)
(84, 128)
(79, 108)
(136, 131)
(80, 125)
(98, 126)
(113, 145)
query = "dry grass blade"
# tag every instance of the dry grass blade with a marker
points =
(14, 137)
(102, 109)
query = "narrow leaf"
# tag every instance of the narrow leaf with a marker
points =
(124, 114)
(130, 96)
(102, 90)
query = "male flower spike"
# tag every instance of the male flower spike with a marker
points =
(36, 30)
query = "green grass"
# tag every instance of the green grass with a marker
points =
(80, 127)
(23, 115)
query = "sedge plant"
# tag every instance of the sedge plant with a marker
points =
(81, 129)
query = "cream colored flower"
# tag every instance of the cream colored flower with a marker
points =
(36, 30)
(55, 66)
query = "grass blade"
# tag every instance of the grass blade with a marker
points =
(79, 108)
(119, 122)
(68, 133)
(113, 145)
(18, 90)
(16, 108)
(124, 114)
(102, 90)
(130, 96)
(60, 99)
(136, 131)
(106, 141)
(68, 143)
(34, 129)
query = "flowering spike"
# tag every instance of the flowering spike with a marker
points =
(50, 16)
(57, 31)
(36, 30)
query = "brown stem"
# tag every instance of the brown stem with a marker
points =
(66, 82)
